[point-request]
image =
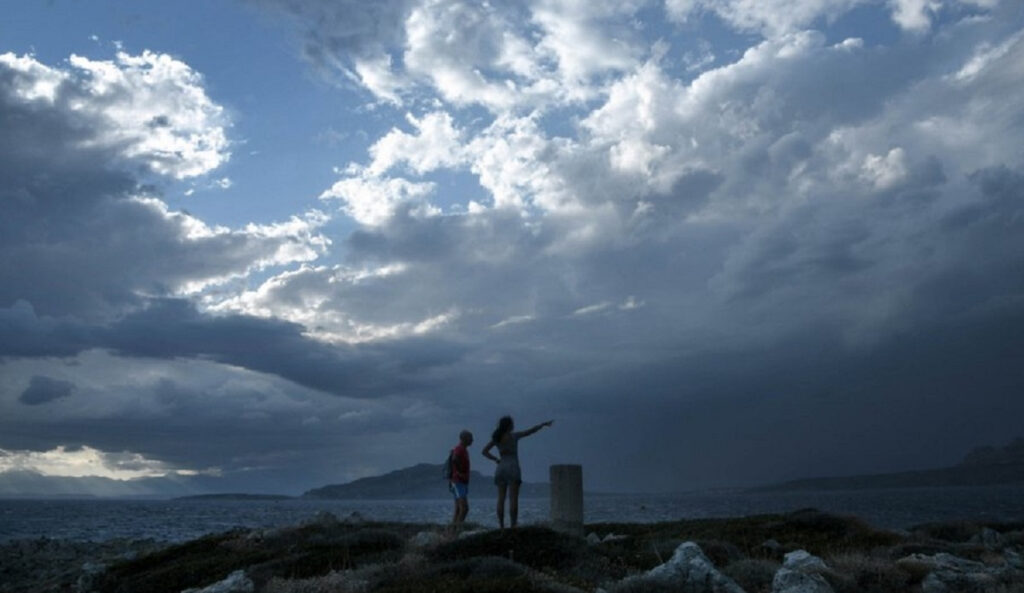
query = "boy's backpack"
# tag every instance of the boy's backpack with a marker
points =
(449, 466)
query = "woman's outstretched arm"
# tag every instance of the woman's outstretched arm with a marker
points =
(530, 431)
(487, 452)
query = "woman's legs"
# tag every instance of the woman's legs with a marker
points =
(513, 503)
(501, 505)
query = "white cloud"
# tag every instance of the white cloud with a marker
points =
(33, 81)
(154, 107)
(377, 75)
(436, 144)
(372, 200)
(151, 108)
(885, 171)
(984, 55)
(591, 309)
(87, 461)
(585, 40)
(451, 43)
(914, 15)
(777, 17)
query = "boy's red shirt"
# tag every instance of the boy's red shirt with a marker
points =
(460, 464)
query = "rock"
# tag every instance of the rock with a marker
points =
(254, 535)
(611, 537)
(987, 537)
(236, 582)
(788, 580)
(959, 583)
(87, 580)
(800, 573)
(952, 574)
(354, 518)
(425, 539)
(689, 570)
(803, 561)
(1013, 559)
(322, 519)
(593, 539)
(943, 562)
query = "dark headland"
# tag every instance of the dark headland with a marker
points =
(422, 481)
(984, 466)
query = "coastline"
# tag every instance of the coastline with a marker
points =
(325, 553)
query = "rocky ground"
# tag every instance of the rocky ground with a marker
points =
(802, 552)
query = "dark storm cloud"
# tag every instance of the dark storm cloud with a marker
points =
(171, 328)
(828, 281)
(45, 389)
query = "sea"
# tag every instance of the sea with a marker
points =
(180, 520)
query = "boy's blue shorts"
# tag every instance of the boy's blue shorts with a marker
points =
(458, 490)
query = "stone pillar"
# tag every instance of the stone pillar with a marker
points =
(567, 498)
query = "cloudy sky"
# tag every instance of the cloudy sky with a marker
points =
(269, 245)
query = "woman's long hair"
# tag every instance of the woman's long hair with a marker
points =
(504, 426)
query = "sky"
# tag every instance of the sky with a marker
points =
(269, 245)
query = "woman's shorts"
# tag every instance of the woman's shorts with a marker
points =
(508, 472)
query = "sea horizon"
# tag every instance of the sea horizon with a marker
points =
(180, 520)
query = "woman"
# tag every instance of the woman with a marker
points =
(508, 476)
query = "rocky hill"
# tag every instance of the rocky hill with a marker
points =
(984, 466)
(422, 481)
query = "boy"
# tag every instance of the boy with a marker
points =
(459, 484)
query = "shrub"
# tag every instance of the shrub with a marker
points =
(950, 531)
(753, 574)
(720, 553)
(469, 575)
(333, 582)
(304, 552)
(642, 586)
(860, 573)
(536, 547)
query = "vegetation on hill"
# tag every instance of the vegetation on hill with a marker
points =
(330, 556)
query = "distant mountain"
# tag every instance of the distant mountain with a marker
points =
(983, 466)
(421, 481)
(29, 484)
(235, 496)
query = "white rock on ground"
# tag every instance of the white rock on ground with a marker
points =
(1014, 559)
(952, 574)
(800, 573)
(988, 537)
(803, 561)
(322, 519)
(690, 569)
(425, 539)
(236, 582)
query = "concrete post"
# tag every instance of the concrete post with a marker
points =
(567, 498)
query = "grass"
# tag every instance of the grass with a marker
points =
(301, 552)
(376, 557)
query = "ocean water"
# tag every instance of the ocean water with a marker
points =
(178, 520)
